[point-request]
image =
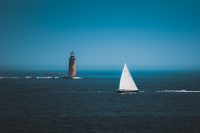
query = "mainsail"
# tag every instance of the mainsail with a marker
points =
(126, 81)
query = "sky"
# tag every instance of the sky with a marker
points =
(148, 34)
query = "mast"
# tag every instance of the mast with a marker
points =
(72, 66)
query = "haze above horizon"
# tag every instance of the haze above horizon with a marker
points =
(142, 33)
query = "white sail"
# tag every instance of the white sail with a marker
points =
(126, 81)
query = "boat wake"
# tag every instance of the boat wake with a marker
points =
(178, 91)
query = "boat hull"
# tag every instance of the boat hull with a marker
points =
(124, 91)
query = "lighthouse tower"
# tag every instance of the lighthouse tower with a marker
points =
(72, 66)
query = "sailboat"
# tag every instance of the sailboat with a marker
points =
(126, 82)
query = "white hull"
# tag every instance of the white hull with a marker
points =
(123, 91)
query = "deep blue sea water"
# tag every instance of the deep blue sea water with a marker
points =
(169, 102)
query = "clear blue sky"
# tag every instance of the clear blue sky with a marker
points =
(142, 33)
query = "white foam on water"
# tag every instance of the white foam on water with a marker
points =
(10, 77)
(32, 77)
(179, 91)
(46, 77)
(77, 78)
(28, 77)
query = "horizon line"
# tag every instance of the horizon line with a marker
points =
(93, 67)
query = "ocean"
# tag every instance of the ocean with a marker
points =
(37, 102)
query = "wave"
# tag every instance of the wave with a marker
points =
(38, 77)
(10, 77)
(46, 77)
(77, 78)
(31, 77)
(28, 77)
(179, 91)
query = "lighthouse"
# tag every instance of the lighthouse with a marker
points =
(72, 66)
